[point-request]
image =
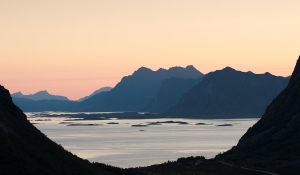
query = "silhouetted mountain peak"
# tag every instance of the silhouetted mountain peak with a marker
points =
(190, 67)
(229, 69)
(6, 101)
(143, 69)
(296, 74)
(268, 73)
(41, 95)
(43, 92)
(161, 69)
(4, 95)
(18, 93)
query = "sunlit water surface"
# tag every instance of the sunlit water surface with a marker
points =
(125, 146)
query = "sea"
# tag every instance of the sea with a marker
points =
(142, 142)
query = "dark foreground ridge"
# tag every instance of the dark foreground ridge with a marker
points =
(25, 150)
(273, 142)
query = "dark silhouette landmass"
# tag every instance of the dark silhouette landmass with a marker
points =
(169, 93)
(229, 93)
(103, 89)
(134, 92)
(90, 104)
(28, 105)
(25, 150)
(41, 95)
(270, 147)
(274, 141)
(224, 93)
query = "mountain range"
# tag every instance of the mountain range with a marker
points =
(132, 93)
(41, 95)
(229, 93)
(271, 146)
(135, 91)
(225, 93)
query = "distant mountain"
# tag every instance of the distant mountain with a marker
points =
(169, 93)
(41, 95)
(103, 89)
(91, 103)
(29, 105)
(273, 142)
(25, 150)
(229, 93)
(134, 92)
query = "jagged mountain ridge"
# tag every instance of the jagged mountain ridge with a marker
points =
(135, 91)
(228, 93)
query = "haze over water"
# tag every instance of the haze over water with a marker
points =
(125, 146)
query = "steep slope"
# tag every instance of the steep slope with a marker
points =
(169, 93)
(274, 141)
(41, 95)
(28, 105)
(25, 150)
(134, 92)
(103, 89)
(90, 104)
(229, 93)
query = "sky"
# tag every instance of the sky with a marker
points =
(73, 47)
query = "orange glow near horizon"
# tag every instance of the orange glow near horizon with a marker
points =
(72, 48)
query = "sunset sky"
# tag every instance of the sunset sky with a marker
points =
(73, 47)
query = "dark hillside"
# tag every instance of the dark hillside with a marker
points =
(274, 141)
(135, 91)
(229, 93)
(169, 93)
(25, 150)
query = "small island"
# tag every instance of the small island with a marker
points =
(169, 121)
(81, 124)
(112, 123)
(139, 125)
(225, 124)
(203, 123)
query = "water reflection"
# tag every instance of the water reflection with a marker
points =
(125, 146)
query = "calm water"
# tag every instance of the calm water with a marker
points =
(125, 146)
